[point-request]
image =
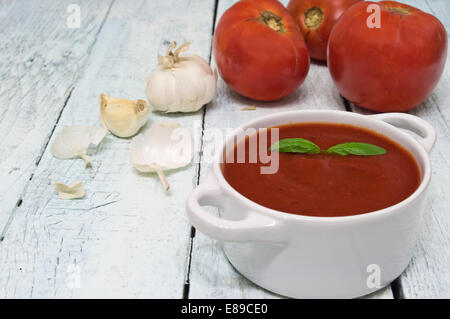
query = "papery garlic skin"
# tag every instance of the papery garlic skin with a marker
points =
(164, 146)
(181, 83)
(123, 117)
(69, 192)
(73, 141)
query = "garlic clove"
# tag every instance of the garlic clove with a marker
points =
(123, 117)
(73, 141)
(69, 192)
(164, 146)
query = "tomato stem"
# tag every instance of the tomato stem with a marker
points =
(271, 20)
(172, 56)
(313, 18)
(399, 10)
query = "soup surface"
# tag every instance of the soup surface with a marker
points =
(328, 185)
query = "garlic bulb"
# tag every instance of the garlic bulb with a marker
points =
(181, 83)
(163, 146)
(73, 141)
(122, 117)
(69, 192)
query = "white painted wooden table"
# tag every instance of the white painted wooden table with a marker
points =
(127, 237)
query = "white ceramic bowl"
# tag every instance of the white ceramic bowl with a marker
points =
(317, 257)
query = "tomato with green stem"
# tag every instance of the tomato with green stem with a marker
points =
(259, 50)
(387, 57)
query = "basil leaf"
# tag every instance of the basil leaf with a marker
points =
(295, 145)
(356, 149)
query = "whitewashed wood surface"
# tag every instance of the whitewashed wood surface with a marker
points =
(128, 238)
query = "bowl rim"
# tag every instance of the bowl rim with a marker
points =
(277, 214)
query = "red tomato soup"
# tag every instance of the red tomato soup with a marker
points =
(328, 185)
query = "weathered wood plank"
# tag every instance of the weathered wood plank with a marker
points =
(212, 276)
(428, 274)
(127, 237)
(41, 60)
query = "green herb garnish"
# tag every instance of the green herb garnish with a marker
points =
(295, 145)
(302, 146)
(362, 149)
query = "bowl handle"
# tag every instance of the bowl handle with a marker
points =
(424, 132)
(253, 228)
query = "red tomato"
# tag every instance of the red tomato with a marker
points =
(391, 68)
(259, 50)
(316, 18)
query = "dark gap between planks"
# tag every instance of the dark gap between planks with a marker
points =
(397, 290)
(54, 126)
(89, 51)
(347, 105)
(187, 283)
